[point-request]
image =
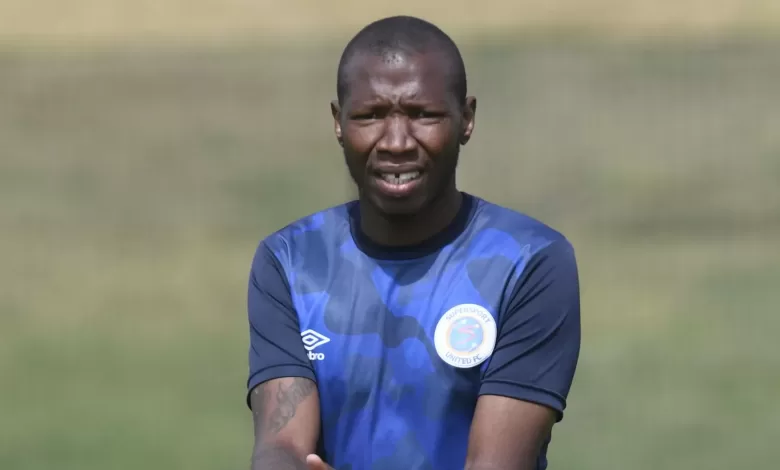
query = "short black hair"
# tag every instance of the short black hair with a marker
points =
(404, 35)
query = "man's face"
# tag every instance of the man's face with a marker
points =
(401, 128)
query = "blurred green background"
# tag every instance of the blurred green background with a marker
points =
(146, 147)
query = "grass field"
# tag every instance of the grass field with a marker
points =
(123, 20)
(135, 182)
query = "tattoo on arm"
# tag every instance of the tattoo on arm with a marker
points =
(278, 459)
(287, 400)
(276, 404)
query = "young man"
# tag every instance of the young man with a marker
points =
(418, 327)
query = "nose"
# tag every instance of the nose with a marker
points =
(396, 138)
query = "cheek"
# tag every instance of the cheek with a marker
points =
(436, 139)
(361, 140)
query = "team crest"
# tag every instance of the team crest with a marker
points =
(465, 336)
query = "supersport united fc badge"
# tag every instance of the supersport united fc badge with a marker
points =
(465, 336)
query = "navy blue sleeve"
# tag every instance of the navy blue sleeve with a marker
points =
(538, 340)
(275, 346)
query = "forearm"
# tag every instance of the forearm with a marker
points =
(482, 464)
(275, 457)
(286, 417)
(491, 466)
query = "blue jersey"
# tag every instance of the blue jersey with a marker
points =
(402, 341)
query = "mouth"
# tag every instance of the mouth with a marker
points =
(398, 184)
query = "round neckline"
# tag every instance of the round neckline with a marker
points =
(435, 243)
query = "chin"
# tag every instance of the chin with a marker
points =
(398, 207)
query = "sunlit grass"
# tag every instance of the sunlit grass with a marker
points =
(135, 184)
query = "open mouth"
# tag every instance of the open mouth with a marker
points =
(400, 178)
(398, 184)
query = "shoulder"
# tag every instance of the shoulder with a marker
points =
(314, 234)
(530, 235)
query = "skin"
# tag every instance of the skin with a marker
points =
(399, 111)
(286, 415)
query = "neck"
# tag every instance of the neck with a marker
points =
(408, 230)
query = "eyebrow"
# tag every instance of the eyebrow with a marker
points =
(404, 101)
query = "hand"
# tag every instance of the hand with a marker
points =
(314, 462)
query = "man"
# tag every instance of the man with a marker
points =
(418, 327)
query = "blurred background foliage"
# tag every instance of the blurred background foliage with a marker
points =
(146, 147)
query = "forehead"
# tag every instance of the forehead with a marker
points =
(397, 75)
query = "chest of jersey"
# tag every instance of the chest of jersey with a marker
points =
(399, 348)
(416, 315)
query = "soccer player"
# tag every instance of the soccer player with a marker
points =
(418, 327)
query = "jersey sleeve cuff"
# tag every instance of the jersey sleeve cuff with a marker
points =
(277, 372)
(527, 393)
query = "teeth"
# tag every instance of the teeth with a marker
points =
(400, 178)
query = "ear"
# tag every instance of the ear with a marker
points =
(335, 110)
(469, 113)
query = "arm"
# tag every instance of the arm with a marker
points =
(525, 386)
(507, 434)
(286, 414)
(282, 388)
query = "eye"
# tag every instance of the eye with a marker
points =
(368, 114)
(365, 116)
(425, 114)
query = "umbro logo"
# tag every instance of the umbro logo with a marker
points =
(311, 340)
